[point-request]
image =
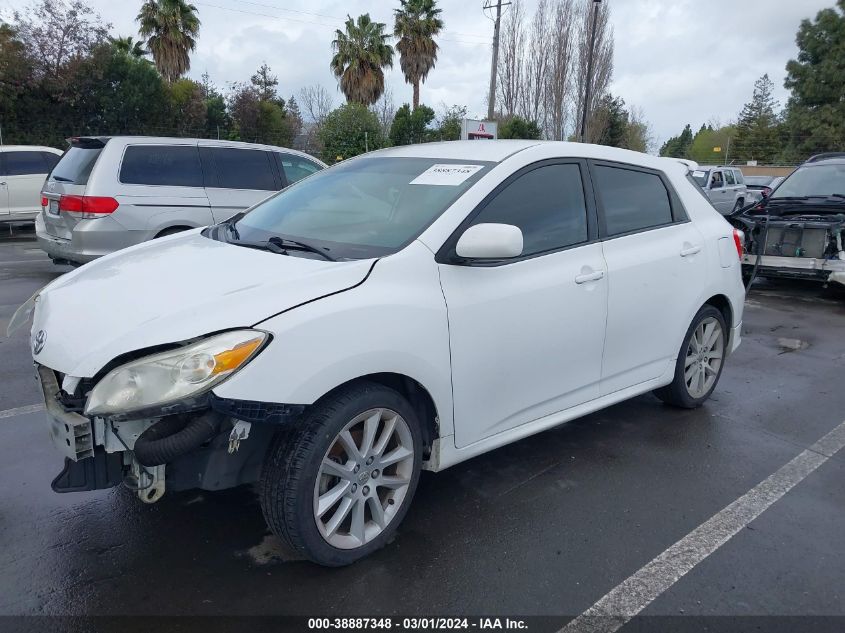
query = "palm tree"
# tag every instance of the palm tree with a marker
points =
(417, 23)
(360, 54)
(170, 28)
(128, 46)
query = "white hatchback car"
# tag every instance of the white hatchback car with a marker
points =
(404, 310)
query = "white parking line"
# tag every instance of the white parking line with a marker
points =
(633, 595)
(10, 413)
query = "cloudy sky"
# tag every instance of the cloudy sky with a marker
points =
(681, 61)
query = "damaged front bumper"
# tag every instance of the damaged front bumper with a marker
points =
(826, 270)
(99, 452)
(807, 246)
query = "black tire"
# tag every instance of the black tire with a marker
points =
(292, 465)
(676, 393)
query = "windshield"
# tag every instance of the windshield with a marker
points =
(367, 207)
(700, 176)
(815, 180)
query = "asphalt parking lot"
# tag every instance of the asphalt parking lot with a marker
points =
(546, 526)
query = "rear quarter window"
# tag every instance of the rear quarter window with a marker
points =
(163, 165)
(632, 200)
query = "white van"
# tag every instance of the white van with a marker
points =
(23, 169)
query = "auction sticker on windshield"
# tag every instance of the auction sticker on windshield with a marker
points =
(446, 174)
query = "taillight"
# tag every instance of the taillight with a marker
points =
(94, 205)
(44, 202)
(739, 237)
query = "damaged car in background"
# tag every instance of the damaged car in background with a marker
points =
(799, 230)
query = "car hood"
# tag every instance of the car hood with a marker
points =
(171, 290)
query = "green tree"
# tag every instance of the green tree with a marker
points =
(265, 82)
(171, 28)
(518, 127)
(217, 119)
(677, 146)
(416, 23)
(706, 139)
(119, 94)
(758, 127)
(411, 126)
(449, 123)
(128, 46)
(190, 108)
(816, 108)
(361, 53)
(348, 131)
(613, 118)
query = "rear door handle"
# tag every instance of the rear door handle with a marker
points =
(692, 250)
(593, 276)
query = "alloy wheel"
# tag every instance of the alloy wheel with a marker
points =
(364, 478)
(704, 357)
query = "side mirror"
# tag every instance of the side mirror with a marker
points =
(490, 241)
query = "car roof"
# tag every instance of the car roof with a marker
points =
(499, 150)
(165, 140)
(29, 148)
(831, 160)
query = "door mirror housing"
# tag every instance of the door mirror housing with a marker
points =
(490, 241)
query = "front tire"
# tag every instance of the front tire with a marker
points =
(336, 486)
(700, 361)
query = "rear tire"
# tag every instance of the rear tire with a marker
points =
(700, 361)
(336, 485)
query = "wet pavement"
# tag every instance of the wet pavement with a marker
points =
(544, 526)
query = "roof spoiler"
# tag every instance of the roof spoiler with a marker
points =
(87, 142)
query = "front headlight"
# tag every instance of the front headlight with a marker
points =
(174, 375)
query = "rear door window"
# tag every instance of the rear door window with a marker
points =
(632, 200)
(243, 169)
(24, 163)
(297, 168)
(739, 178)
(168, 165)
(729, 177)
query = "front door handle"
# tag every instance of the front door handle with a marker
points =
(692, 250)
(593, 276)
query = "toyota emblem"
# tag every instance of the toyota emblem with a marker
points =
(38, 343)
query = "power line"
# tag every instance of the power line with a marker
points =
(334, 25)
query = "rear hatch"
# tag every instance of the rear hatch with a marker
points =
(69, 178)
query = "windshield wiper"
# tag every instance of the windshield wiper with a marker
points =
(287, 243)
(281, 246)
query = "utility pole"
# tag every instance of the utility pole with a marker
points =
(589, 78)
(491, 101)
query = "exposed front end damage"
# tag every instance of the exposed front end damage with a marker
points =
(800, 245)
(206, 443)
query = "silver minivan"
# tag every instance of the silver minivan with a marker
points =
(724, 186)
(107, 193)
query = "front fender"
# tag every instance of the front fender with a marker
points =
(394, 322)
